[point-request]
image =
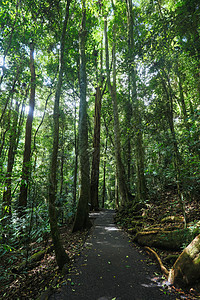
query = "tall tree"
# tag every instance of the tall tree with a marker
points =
(138, 139)
(82, 215)
(123, 189)
(61, 256)
(26, 167)
(6, 205)
(104, 175)
(96, 151)
(76, 157)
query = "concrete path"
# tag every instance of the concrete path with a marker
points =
(110, 268)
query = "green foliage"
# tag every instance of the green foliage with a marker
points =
(166, 59)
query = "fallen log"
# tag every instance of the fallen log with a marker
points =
(33, 259)
(170, 240)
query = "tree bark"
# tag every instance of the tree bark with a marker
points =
(26, 167)
(186, 270)
(104, 176)
(61, 256)
(3, 139)
(10, 95)
(6, 205)
(162, 239)
(116, 193)
(176, 153)
(82, 215)
(76, 161)
(96, 152)
(112, 90)
(139, 151)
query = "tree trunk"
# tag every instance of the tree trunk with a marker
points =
(176, 154)
(139, 151)
(182, 102)
(112, 90)
(186, 269)
(3, 139)
(62, 161)
(82, 215)
(116, 193)
(6, 205)
(5, 118)
(10, 94)
(61, 256)
(76, 162)
(194, 149)
(104, 177)
(163, 239)
(26, 167)
(128, 140)
(96, 136)
(96, 152)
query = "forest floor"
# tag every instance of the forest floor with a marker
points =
(37, 277)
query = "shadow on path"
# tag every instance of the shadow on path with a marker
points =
(110, 268)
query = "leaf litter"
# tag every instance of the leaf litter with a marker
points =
(42, 275)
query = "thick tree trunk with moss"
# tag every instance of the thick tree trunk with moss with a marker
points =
(61, 256)
(186, 269)
(26, 167)
(137, 123)
(123, 189)
(82, 215)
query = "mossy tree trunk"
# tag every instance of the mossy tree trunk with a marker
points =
(186, 269)
(61, 256)
(82, 215)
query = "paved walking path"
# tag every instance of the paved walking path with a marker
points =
(110, 268)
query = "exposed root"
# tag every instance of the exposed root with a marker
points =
(162, 267)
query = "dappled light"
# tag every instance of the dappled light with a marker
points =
(99, 149)
(111, 228)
